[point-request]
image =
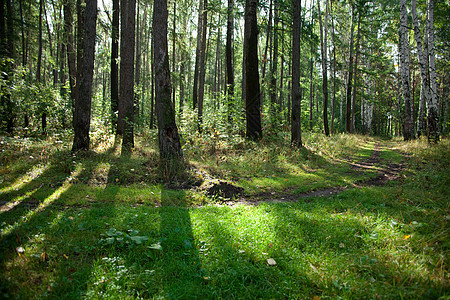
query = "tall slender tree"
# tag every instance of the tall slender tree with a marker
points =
(348, 107)
(202, 67)
(408, 131)
(126, 93)
(229, 59)
(115, 63)
(252, 87)
(432, 105)
(296, 133)
(82, 118)
(324, 47)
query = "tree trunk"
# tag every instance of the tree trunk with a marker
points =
(296, 134)
(423, 64)
(408, 132)
(273, 73)
(197, 53)
(333, 99)
(358, 35)
(348, 108)
(71, 60)
(229, 60)
(169, 139)
(268, 41)
(252, 87)
(202, 67)
(82, 120)
(174, 65)
(39, 58)
(324, 47)
(126, 92)
(432, 105)
(115, 64)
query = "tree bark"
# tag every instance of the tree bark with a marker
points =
(71, 59)
(274, 67)
(408, 131)
(174, 65)
(324, 46)
(169, 139)
(333, 99)
(82, 120)
(229, 59)
(126, 92)
(115, 64)
(202, 67)
(432, 105)
(252, 87)
(296, 134)
(423, 66)
(355, 71)
(348, 108)
(198, 53)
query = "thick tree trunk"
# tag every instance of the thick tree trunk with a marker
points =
(169, 139)
(348, 108)
(252, 87)
(324, 47)
(432, 105)
(82, 120)
(408, 131)
(115, 64)
(296, 134)
(126, 92)
(229, 59)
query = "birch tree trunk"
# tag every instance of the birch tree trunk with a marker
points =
(408, 131)
(432, 105)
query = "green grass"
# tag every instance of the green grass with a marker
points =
(100, 226)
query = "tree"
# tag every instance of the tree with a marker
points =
(82, 117)
(252, 88)
(126, 93)
(115, 64)
(408, 131)
(432, 107)
(324, 47)
(169, 140)
(296, 133)
(348, 107)
(229, 58)
(201, 75)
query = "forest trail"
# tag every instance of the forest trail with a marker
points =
(386, 172)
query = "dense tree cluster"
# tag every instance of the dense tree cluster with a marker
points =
(241, 67)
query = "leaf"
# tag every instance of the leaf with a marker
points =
(111, 231)
(271, 262)
(406, 236)
(138, 239)
(156, 246)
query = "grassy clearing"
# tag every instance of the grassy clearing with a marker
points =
(98, 226)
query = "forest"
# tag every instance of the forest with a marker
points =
(210, 149)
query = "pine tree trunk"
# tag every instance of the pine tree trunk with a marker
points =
(324, 47)
(82, 119)
(229, 60)
(115, 64)
(169, 140)
(296, 134)
(273, 73)
(333, 99)
(252, 87)
(71, 59)
(197, 54)
(408, 132)
(202, 67)
(355, 73)
(174, 64)
(348, 108)
(126, 92)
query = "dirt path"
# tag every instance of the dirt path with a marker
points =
(386, 173)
